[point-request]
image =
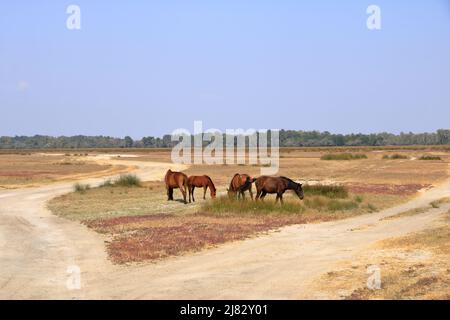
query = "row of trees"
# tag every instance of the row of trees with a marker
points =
(288, 138)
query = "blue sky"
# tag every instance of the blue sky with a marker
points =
(148, 67)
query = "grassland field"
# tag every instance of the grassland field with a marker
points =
(139, 225)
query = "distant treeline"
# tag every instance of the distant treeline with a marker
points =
(288, 138)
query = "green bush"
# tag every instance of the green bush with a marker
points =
(394, 156)
(427, 157)
(128, 180)
(81, 188)
(106, 183)
(343, 156)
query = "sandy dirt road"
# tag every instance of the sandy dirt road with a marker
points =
(37, 249)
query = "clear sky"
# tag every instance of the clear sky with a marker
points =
(148, 67)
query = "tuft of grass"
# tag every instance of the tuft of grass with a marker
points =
(428, 157)
(128, 180)
(395, 156)
(336, 205)
(434, 204)
(81, 188)
(224, 205)
(106, 183)
(343, 156)
(334, 192)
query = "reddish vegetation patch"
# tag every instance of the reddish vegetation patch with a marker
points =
(153, 237)
(393, 189)
(23, 173)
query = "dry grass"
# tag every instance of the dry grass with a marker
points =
(412, 267)
(407, 213)
(25, 169)
(116, 201)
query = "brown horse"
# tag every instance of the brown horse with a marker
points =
(199, 182)
(175, 180)
(278, 185)
(239, 184)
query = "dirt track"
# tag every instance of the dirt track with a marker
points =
(36, 248)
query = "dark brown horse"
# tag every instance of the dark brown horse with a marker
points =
(176, 180)
(204, 182)
(278, 185)
(239, 184)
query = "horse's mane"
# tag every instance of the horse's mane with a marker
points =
(210, 181)
(288, 180)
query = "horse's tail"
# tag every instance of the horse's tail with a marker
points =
(186, 183)
(247, 184)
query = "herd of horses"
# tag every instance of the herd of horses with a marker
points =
(238, 185)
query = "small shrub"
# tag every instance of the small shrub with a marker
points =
(371, 207)
(395, 156)
(128, 180)
(427, 157)
(81, 188)
(359, 198)
(343, 156)
(326, 190)
(434, 204)
(106, 183)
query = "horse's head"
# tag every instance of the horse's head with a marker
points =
(213, 194)
(299, 191)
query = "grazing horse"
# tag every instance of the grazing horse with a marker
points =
(175, 180)
(199, 182)
(239, 184)
(278, 185)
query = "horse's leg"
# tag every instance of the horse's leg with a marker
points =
(243, 194)
(183, 191)
(250, 191)
(169, 193)
(190, 191)
(280, 196)
(193, 188)
(204, 192)
(263, 195)
(258, 194)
